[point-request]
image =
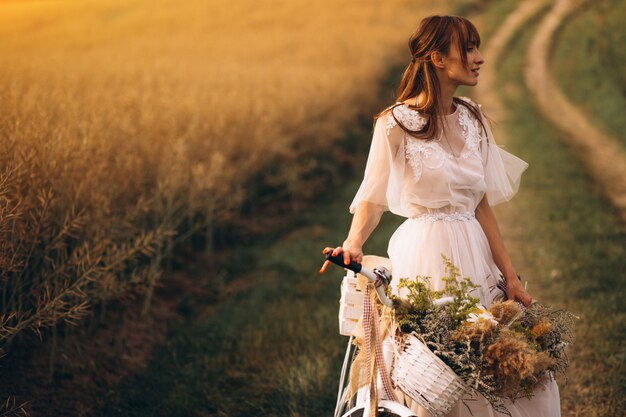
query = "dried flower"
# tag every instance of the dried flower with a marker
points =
(507, 355)
(506, 311)
(476, 331)
(514, 362)
(502, 352)
(541, 329)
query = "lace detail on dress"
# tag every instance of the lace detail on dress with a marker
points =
(410, 119)
(446, 217)
(430, 153)
(422, 152)
(391, 122)
(471, 132)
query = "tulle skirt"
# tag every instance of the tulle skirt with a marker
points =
(416, 249)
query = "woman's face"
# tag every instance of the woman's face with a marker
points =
(456, 71)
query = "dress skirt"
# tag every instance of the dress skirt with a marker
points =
(416, 249)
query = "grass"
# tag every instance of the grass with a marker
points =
(272, 350)
(495, 8)
(261, 354)
(589, 64)
(127, 127)
(568, 238)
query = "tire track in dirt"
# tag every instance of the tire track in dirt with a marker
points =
(600, 153)
(495, 51)
(487, 93)
(576, 396)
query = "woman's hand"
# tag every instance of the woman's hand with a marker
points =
(351, 252)
(516, 292)
(366, 217)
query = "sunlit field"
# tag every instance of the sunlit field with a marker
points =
(144, 140)
(127, 126)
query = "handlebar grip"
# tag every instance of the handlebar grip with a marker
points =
(338, 260)
(358, 268)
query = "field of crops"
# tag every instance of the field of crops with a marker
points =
(126, 128)
(132, 131)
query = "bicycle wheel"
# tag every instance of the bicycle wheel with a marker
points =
(386, 408)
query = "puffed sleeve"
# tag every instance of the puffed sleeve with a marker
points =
(375, 187)
(503, 170)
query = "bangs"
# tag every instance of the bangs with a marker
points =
(466, 35)
(466, 32)
(472, 33)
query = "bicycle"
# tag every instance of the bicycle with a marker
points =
(359, 404)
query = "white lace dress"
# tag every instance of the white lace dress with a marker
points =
(437, 186)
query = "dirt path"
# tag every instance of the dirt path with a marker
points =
(530, 228)
(494, 52)
(487, 94)
(600, 153)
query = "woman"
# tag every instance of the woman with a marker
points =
(433, 160)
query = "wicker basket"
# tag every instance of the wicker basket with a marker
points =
(424, 377)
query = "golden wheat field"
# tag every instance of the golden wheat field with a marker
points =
(127, 126)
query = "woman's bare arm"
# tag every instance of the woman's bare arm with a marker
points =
(487, 220)
(365, 219)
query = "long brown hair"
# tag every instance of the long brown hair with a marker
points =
(435, 33)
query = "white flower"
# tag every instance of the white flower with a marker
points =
(443, 301)
(481, 314)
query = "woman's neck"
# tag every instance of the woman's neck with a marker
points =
(446, 95)
(445, 99)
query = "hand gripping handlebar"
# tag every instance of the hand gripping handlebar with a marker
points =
(380, 277)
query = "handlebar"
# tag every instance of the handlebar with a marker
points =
(374, 276)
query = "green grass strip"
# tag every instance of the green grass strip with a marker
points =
(274, 350)
(589, 63)
(569, 237)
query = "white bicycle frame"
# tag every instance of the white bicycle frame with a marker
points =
(361, 407)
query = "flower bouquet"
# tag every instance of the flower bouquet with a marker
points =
(450, 344)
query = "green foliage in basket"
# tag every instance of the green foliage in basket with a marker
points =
(502, 352)
(420, 301)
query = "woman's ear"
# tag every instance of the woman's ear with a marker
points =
(437, 59)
